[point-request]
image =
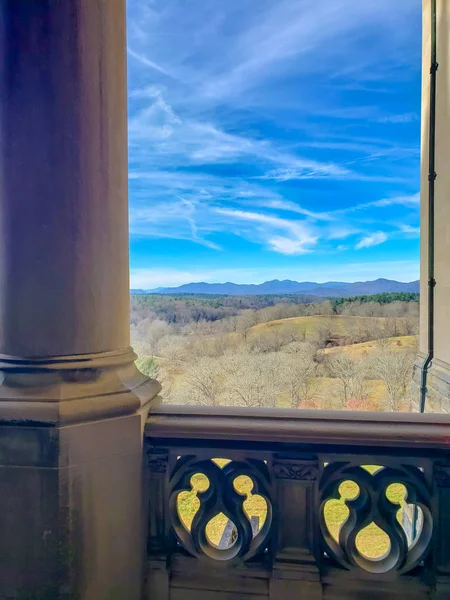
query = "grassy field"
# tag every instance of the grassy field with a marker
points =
(372, 541)
(396, 344)
(311, 325)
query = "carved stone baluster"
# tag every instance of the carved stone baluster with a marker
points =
(220, 497)
(158, 545)
(442, 530)
(295, 571)
(372, 505)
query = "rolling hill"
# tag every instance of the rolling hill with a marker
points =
(331, 289)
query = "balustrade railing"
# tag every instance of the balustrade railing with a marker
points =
(253, 504)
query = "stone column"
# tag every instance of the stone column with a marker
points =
(438, 385)
(72, 403)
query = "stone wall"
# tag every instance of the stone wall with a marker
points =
(438, 384)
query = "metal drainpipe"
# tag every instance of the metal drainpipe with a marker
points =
(431, 185)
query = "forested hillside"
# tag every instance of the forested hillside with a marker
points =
(272, 351)
(184, 308)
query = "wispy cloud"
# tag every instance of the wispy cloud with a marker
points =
(402, 118)
(288, 206)
(147, 62)
(185, 141)
(374, 239)
(415, 231)
(297, 238)
(287, 33)
(273, 128)
(329, 172)
(202, 206)
(412, 201)
(176, 219)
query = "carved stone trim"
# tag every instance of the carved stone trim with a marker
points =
(372, 505)
(158, 460)
(221, 497)
(297, 470)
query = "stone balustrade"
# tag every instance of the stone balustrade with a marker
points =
(209, 469)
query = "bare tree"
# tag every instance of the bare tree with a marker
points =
(357, 329)
(410, 324)
(351, 375)
(272, 339)
(205, 382)
(327, 330)
(305, 349)
(383, 341)
(257, 380)
(325, 308)
(343, 368)
(150, 332)
(395, 371)
(245, 321)
(300, 379)
(173, 349)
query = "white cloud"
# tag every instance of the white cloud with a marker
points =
(284, 245)
(374, 239)
(403, 118)
(287, 205)
(161, 134)
(287, 34)
(147, 62)
(175, 219)
(297, 239)
(412, 201)
(326, 171)
(207, 78)
(341, 230)
(309, 170)
(414, 231)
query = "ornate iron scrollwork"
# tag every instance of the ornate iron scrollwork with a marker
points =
(373, 506)
(220, 497)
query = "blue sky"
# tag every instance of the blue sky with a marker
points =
(273, 139)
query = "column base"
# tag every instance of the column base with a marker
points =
(72, 389)
(72, 509)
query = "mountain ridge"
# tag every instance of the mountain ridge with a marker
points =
(336, 289)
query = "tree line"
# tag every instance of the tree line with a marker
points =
(186, 308)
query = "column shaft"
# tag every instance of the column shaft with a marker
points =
(63, 177)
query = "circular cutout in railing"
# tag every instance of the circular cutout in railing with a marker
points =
(221, 509)
(368, 530)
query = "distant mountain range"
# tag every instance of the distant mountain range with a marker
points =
(335, 289)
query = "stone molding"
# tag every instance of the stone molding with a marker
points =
(64, 390)
(296, 470)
